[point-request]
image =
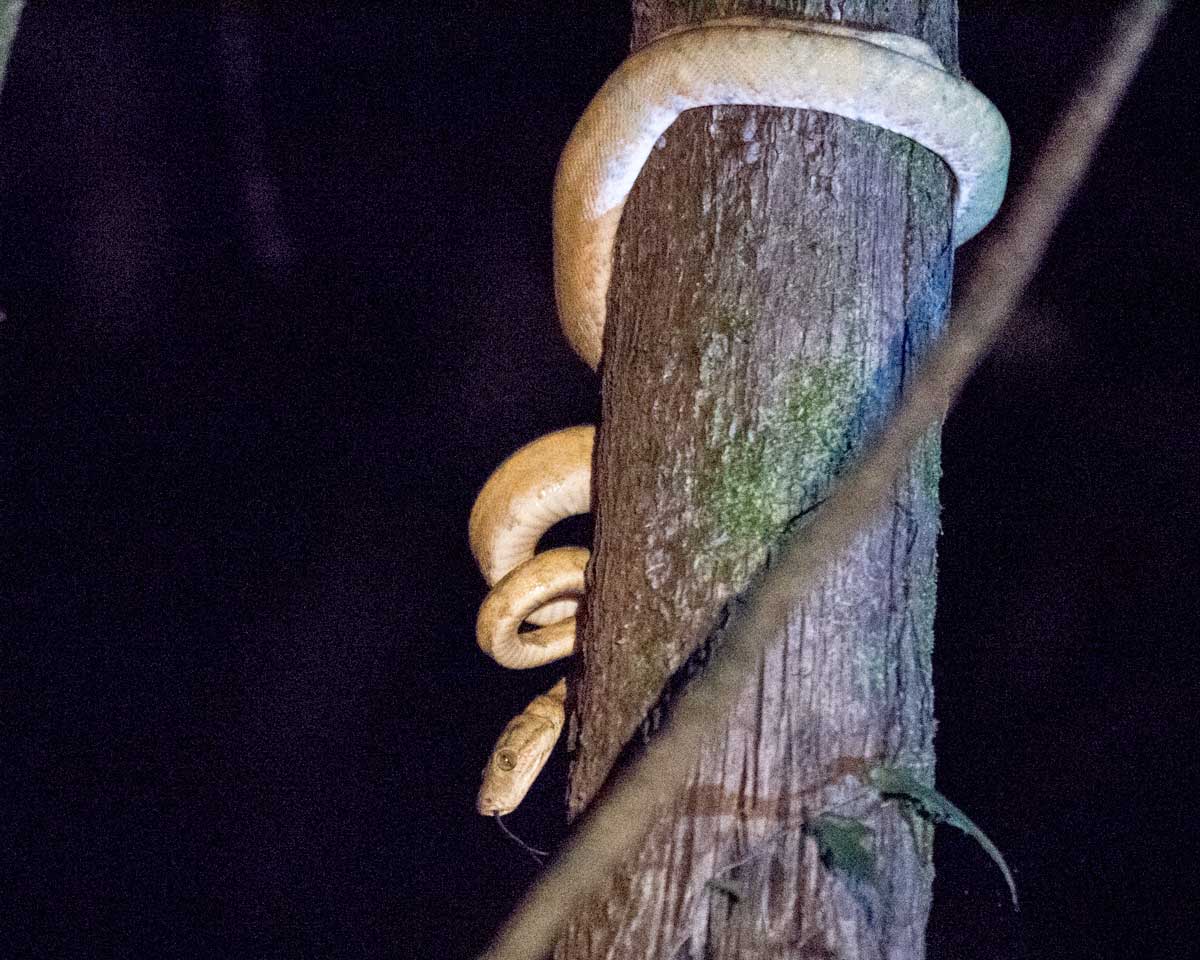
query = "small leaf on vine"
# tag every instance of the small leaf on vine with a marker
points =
(731, 890)
(902, 783)
(843, 844)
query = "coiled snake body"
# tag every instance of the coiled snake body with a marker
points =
(889, 80)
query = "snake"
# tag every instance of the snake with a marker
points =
(889, 80)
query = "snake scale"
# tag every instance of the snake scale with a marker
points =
(885, 79)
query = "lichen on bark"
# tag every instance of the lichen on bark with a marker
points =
(758, 478)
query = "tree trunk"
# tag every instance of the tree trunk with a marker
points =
(810, 264)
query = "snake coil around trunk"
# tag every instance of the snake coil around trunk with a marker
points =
(885, 79)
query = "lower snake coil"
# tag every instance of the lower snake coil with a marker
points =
(885, 79)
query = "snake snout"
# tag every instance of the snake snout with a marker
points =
(489, 806)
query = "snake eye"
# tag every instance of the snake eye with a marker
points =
(506, 760)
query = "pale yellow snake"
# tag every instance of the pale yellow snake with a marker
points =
(888, 80)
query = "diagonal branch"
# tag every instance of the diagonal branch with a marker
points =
(1009, 257)
(10, 19)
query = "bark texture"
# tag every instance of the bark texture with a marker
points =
(778, 275)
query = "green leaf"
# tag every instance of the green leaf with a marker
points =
(903, 783)
(843, 844)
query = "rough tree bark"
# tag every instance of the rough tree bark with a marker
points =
(810, 264)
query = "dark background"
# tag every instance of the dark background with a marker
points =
(278, 299)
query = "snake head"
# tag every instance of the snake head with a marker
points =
(521, 752)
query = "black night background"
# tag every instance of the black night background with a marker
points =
(277, 299)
